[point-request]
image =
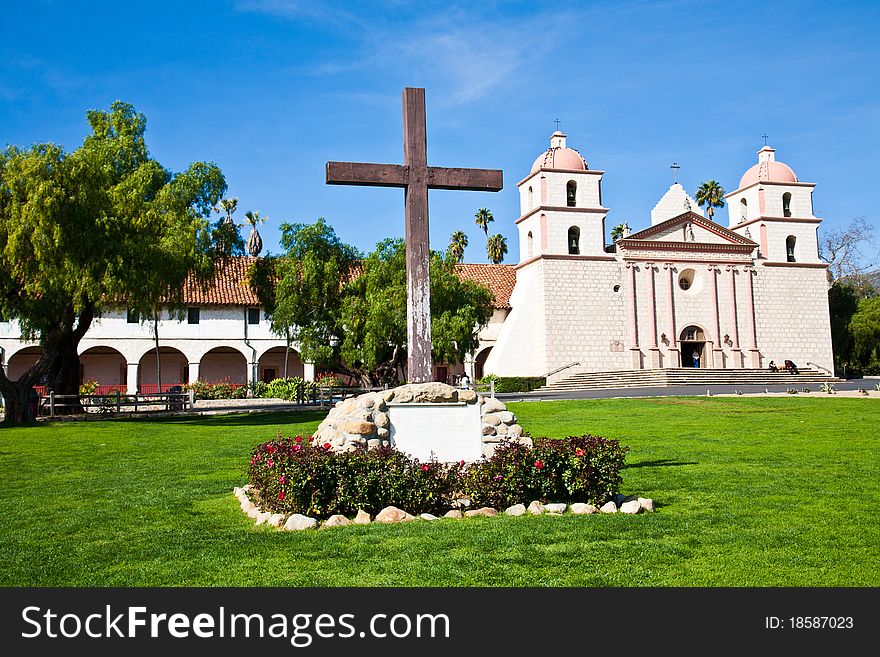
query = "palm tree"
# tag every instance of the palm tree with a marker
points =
(457, 244)
(496, 247)
(483, 218)
(228, 205)
(254, 242)
(710, 194)
(619, 231)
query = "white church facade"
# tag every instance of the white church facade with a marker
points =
(684, 292)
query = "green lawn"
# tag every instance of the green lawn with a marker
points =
(750, 492)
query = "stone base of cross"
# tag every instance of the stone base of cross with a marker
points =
(416, 178)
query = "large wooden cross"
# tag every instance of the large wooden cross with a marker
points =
(416, 177)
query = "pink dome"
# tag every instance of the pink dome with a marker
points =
(767, 170)
(559, 156)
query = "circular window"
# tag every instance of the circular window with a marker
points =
(686, 279)
(616, 289)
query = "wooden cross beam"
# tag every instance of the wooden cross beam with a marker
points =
(416, 178)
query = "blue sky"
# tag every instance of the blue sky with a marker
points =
(272, 89)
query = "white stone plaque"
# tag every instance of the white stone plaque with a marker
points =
(446, 432)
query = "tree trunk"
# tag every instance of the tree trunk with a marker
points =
(286, 352)
(158, 360)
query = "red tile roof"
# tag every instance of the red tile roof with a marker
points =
(229, 285)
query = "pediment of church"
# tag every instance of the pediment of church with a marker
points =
(688, 230)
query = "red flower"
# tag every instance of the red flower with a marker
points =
(252, 460)
(327, 445)
(296, 448)
(298, 438)
(539, 464)
(270, 449)
(269, 463)
(579, 451)
(281, 480)
(425, 468)
(281, 495)
(461, 463)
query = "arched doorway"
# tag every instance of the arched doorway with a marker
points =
(272, 364)
(223, 365)
(106, 366)
(175, 370)
(21, 361)
(480, 362)
(693, 347)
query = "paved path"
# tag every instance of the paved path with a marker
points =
(679, 391)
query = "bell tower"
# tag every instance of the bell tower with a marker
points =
(561, 210)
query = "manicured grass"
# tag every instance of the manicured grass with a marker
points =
(750, 492)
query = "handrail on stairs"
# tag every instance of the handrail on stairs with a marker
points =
(824, 369)
(559, 369)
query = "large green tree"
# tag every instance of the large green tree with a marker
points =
(87, 230)
(348, 314)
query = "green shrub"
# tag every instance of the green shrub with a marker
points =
(513, 383)
(293, 476)
(291, 389)
(258, 388)
(218, 390)
(88, 387)
(575, 469)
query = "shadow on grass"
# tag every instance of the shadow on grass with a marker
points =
(662, 463)
(243, 419)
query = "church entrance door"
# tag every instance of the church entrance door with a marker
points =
(693, 347)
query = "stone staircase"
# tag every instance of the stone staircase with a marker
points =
(684, 376)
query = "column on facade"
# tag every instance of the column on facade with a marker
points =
(308, 371)
(193, 372)
(655, 349)
(717, 353)
(674, 357)
(635, 352)
(754, 354)
(734, 320)
(131, 377)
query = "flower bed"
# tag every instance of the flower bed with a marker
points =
(293, 475)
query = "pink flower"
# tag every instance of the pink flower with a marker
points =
(539, 464)
(281, 495)
(579, 451)
(498, 477)
(281, 480)
(425, 468)
(269, 463)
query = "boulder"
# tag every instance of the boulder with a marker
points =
(362, 518)
(581, 509)
(506, 416)
(492, 405)
(388, 395)
(263, 518)
(454, 513)
(491, 419)
(373, 443)
(608, 507)
(632, 507)
(501, 430)
(536, 508)
(391, 514)
(515, 431)
(382, 433)
(253, 512)
(276, 520)
(403, 395)
(297, 522)
(428, 516)
(488, 430)
(366, 401)
(486, 511)
(461, 502)
(336, 521)
(467, 396)
(555, 508)
(358, 427)
(646, 503)
(381, 420)
(516, 510)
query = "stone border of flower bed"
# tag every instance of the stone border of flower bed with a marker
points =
(629, 505)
